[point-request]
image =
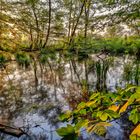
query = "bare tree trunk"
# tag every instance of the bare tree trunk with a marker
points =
(78, 18)
(49, 25)
(32, 39)
(36, 21)
(69, 28)
(74, 15)
(87, 9)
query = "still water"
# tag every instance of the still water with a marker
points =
(32, 98)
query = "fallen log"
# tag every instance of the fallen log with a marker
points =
(17, 132)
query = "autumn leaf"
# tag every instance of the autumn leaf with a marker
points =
(124, 107)
(136, 131)
(90, 103)
(94, 95)
(114, 108)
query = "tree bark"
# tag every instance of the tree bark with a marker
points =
(87, 9)
(75, 27)
(49, 25)
(70, 13)
(36, 21)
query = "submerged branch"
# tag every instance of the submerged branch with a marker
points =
(17, 132)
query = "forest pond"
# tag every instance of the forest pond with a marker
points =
(33, 97)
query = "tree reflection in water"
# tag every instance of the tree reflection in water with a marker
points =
(33, 98)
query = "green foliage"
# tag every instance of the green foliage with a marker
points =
(67, 133)
(132, 72)
(47, 54)
(32, 1)
(100, 130)
(99, 110)
(65, 116)
(112, 45)
(2, 59)
(81, 49)
(110, 2)
(102, 115)
(23, 59)
(128, 72)
(101, 69)
(134, 116)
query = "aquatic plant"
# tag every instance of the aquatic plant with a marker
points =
(101, 68)
(23, 59)
(137, 73)
(2, 59)
(131, 72)
(47, 54)
(128, 72)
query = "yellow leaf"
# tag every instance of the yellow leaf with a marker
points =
(90, 128)
(127, 89)
(104, 116)
(114, 108)
(99, 129)
(116, 99)
(124, 107)
(90, 103)
(104, 124)
(138, 100)
(136, 131)
(94, 95)
(100, 124)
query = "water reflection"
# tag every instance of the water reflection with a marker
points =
(33, 98)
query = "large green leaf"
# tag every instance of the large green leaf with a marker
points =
(64, 131)
(102, 115)
(94, 95)
(134, 116)
(80, 124)
(65, 116)
(112, 114)
(83, 112)
(81, 105)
